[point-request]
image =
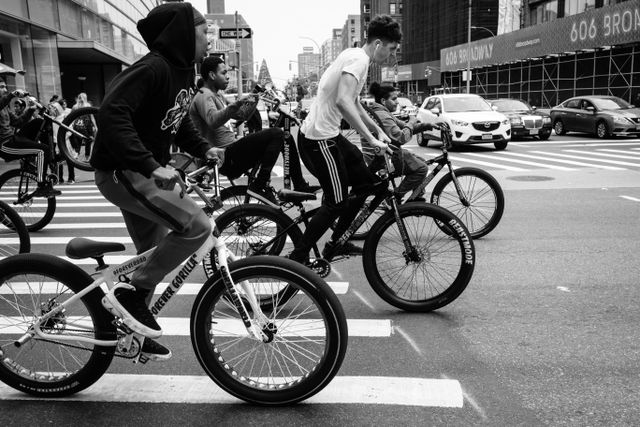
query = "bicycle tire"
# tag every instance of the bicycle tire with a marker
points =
(12, 227)
(66, 144)
(47, 278)
(445, 257)
(36, 213)
(484, 194)
(235, 195)
(317, 350)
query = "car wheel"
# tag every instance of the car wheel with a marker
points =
(602, 130)
(422, 139)
(501, 145)
(544, 136)
(558, 127)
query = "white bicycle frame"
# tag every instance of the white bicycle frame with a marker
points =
(113, 279)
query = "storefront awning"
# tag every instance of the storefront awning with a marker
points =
(88, 52)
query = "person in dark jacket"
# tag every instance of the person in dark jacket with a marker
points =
(144, 112)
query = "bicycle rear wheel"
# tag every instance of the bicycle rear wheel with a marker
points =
(484, 196)
(435, 270)
(14, 236)
(308, 334)
(30, 286)
(35, 212)
(74, 148)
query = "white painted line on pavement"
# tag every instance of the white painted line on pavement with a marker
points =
(547, 153)
(78, 214)
(364, 300)
(180, 326)
(408, 338)
(626, 152)
(501, 156)
(590, 143)
(495, 165)
(633, 199)
(471, 401)
(425, 392)
(569, 162)
(22, 288)
(617, 156)
(563, 288)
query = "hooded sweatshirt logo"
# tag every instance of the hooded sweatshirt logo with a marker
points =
(175, 114)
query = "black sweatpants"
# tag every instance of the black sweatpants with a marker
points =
(261, 147)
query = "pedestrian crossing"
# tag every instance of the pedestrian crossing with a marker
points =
(618, 156)
(82, 212)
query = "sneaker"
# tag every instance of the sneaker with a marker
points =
(46, 191)
(307, 188)
(132, 308)
(71, 182)
(331, 250)
(264, 194)
(155, 351)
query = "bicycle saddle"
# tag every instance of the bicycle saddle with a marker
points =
(294, 196)
(80, 247)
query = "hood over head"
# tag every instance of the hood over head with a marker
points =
(169, 29)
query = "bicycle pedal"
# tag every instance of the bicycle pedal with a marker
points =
(118, 323)
(141, 359)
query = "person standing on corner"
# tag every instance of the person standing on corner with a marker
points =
(144, 111)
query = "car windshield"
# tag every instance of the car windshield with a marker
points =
(610, 103)
(511, 105)
(465, 103)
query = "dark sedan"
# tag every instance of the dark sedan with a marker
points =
(525, 120)
(603, 116)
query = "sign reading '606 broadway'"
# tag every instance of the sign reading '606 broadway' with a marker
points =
(606, 26)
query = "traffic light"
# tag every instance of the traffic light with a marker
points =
(220, 55)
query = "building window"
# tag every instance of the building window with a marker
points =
(366, 8)
(544, 12)
(573, 7)
(392, 9)
(44, 12)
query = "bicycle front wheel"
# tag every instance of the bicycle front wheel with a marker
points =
(35, 212)
(32, 285)
(484, 199)
(434, 270)
(14, 236)
(307, 335)
(75, 148)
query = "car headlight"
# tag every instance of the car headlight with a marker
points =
(546, 120)
(620, 119)
(459, 123)
(505, 122)
(515, 121)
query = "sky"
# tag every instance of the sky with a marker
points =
(279, 25)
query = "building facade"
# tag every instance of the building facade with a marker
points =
(331, 48)
(351, 32)
(567, 48)
(309, 64)
(70, 46)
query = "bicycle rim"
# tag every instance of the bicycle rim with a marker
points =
(77, 149)
(14, 236)
(35, 212)
(434, 274)
(47, 367)
(308, 335)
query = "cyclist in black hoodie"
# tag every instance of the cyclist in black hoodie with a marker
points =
(145, 111)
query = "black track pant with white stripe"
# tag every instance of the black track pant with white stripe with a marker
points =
(338, 165)
(19, 147)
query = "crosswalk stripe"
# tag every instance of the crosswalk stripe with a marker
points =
(22, 288)
(633, 199)
(593, 153)
(564, 161)
(478, 162)
(588, 153)
(181, 326)
(501, 157)
(547, 153)
(78, 214)
(128, 388)
(632, 153)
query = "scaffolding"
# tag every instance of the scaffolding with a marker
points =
(546, 82)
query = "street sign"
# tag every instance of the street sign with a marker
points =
(232, 33)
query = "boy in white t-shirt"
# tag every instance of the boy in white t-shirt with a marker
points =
(329, 156)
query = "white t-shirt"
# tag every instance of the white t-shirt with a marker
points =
(323, 121)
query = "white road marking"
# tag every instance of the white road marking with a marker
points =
(471, 401)
(364, 300)
(180, 326)
(633, 199)
(408, 338)
(563, 288)
(425, 392)
(617, 156)
(501, 156)
(547, 153)
(627, 152)
(569, 162)
(495, 165)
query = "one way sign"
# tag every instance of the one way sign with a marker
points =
(232, 33)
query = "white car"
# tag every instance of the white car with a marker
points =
(471, 118)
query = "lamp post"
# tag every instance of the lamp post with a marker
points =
(483, 28)
(469, 50)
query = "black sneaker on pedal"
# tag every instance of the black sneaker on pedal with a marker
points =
(47, 191)
(155, 351)
(132, 308)
(307, 188)
(264, 194)
(332, 250)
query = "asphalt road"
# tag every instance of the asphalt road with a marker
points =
(545, 334)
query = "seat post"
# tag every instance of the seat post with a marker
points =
(101, 263)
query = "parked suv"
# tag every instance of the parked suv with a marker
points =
(471, 118)
(603, 116)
